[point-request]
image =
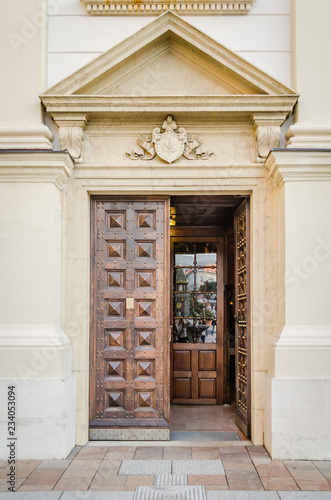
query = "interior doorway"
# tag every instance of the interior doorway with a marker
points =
(209, 313)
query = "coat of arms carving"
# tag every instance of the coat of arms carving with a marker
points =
(169, 144)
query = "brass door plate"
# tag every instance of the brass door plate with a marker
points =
(130, 303)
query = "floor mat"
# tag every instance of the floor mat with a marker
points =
(203, 436)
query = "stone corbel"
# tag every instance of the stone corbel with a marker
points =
(268, 131)
(71, 134)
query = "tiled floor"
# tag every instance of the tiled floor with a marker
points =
(246, 467)
(123, 467)
(202, 418)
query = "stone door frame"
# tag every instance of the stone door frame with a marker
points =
(86, 181)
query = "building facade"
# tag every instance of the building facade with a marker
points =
(141, 145)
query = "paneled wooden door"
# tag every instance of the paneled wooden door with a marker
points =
(129, 342)
(242, 329)
(197, 321)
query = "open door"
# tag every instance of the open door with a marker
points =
(197, 318)
(242, 330)
(129, 346)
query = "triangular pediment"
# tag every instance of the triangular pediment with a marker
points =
(168, 57)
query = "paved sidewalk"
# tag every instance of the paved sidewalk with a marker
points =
(233, 469)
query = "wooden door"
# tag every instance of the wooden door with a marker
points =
(197, 314)
(129, 348)
(242, 330)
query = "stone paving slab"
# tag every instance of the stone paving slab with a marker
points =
(170, 493)
(200, 467)
(32, 495)
(97, 495)
(145, 467)
(170, 480)
(129, 495)
(54, 464)
(305, 495)
(242, 495)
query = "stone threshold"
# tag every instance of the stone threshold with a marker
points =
(195, 444)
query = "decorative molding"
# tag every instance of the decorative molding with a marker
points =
(267, 132)
(309, 136)
(32, 336)
(130, 7)
(303, 336)
(25, 137)
(289, 165)
(71, 133)
(169, 145)
(60, 106)
(53, 167)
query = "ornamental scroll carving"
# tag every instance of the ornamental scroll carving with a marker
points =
(268, 132)
(71, 139)
(169, 143)
(267, 138)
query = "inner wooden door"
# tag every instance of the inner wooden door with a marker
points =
(129, 347)
(197, 320)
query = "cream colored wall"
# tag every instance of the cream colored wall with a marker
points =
(312, 59)
(263, 36)
(298, 384)
(35, 353)
(23, 27)
(308, 253)
(30, 254)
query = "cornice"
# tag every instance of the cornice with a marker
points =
(130, 7)
(25, 137)
(309, 135)
(106, 105)
(292, 165)
(303, 336)
(36, 166)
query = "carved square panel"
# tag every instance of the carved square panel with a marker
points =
(144, 278)
(146, 219)
(116, 338)
(116, 278)
(116, 368)
(115, 399)
(145, 399)
(145, 249)
(145, 368)
(116, 308)
(145, 338)
(116, 249)
(116, 220)
(145, 308)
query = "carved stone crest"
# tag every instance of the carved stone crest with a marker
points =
(169, 145)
